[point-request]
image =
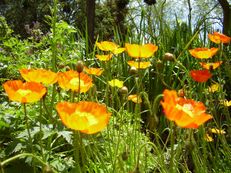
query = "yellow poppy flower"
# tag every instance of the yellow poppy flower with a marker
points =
(116, 83)
(211, 66)
(93, 71)
(140, 51)
(217, 131)
(208, 138)
(139, 65)
(203, 53)
(104, 57)
(87, 117)
(109, 46)
(135, 98)
(213, 88)
(39, 75)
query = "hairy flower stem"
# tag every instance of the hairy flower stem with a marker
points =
(28, 131)
(27, 127)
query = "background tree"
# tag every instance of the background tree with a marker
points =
(226, 7)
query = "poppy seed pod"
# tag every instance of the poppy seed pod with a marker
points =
(133, 70)
(168, 56)
(79, 66)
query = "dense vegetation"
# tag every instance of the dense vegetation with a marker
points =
(150, 92)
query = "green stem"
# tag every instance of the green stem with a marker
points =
(40, 125)
(28, 131)
(77, 151)
(27, 127)
(172, 148)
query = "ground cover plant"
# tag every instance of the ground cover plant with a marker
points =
(137, 103)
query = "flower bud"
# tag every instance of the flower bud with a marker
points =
(123, 90)
(133, 70)
(79, 66)
(168, 57)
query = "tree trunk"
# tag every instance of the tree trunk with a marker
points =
(226, 16)
(90, 13)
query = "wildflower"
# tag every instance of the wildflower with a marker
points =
(203, 53)
(87, 117)
(39, 75)
(213, 88)
(218, 38)
(200, 75)
(75, 81)
(141, 51)
(226, 103)
(135, 98)
(211, 66)
(217, 131)
(109, 46)
(186, 113)
(93, 71)
(104, 57)
(27, 92)
(208, 138)
(139, 65)
(116, 83)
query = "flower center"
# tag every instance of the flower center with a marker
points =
(24, 92)
(76, 81)
(187, 108)
(88, 116)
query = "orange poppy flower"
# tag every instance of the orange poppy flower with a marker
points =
(139, 65)
(39, 75)
(27, 92)
(200, 75)
(186, 113)
(88, 117)
(93, 71)
(218, 38)
(203, 53)
(109, 46)
(104, 57)
(211, 66)
(135, 98)
(140, 51)
(72, 79)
